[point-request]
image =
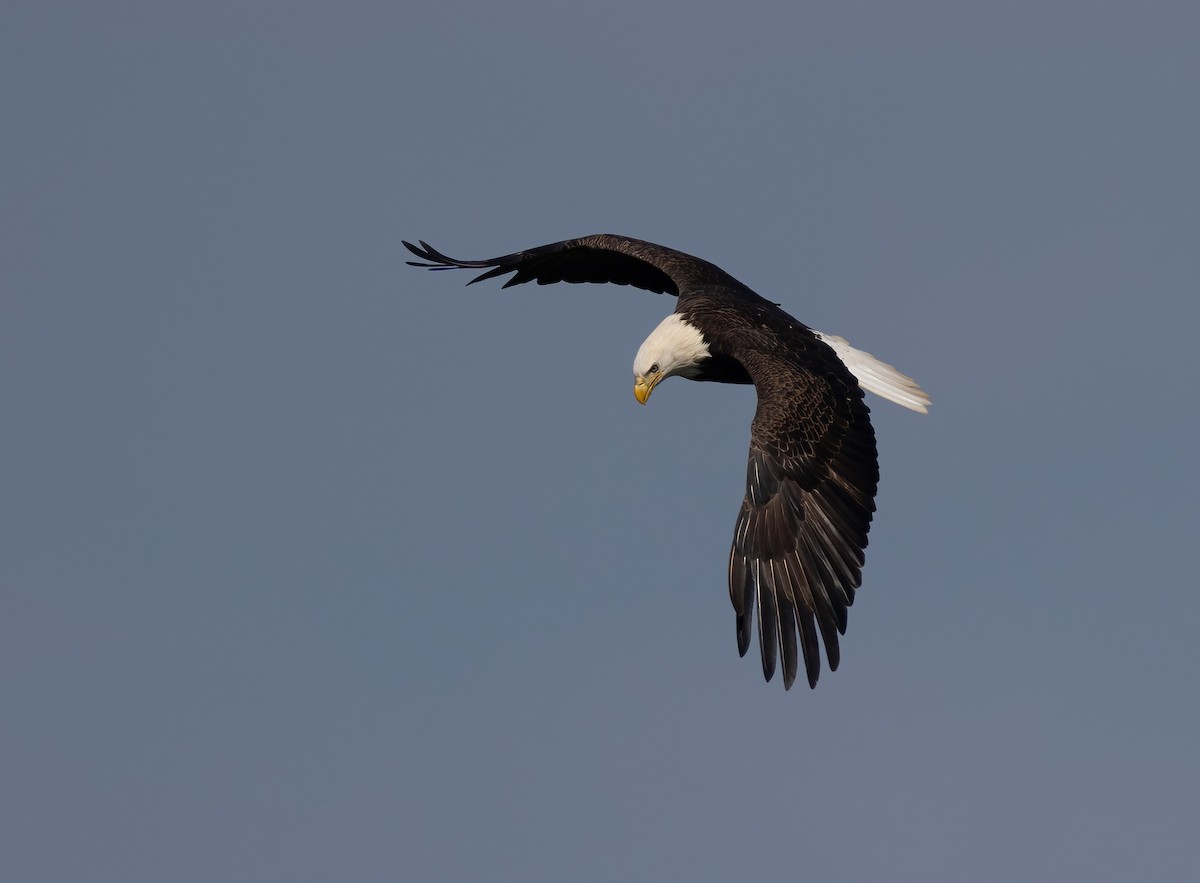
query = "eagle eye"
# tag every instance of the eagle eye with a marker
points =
(654, 368)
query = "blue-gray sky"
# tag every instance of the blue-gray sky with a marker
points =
(314, 566)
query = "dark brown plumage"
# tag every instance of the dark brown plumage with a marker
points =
(812, 472)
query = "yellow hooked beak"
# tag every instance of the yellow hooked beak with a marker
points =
(642, 387)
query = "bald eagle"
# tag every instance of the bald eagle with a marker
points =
(798, 544)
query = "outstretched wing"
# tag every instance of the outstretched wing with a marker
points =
(798, 546)
(600, 258)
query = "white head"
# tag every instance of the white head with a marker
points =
(674, 347)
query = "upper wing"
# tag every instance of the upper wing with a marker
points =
(599, 258)
(798, 546)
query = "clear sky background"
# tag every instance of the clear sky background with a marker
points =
(316, 567)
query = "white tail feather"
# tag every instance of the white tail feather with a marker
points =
(878, 377)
